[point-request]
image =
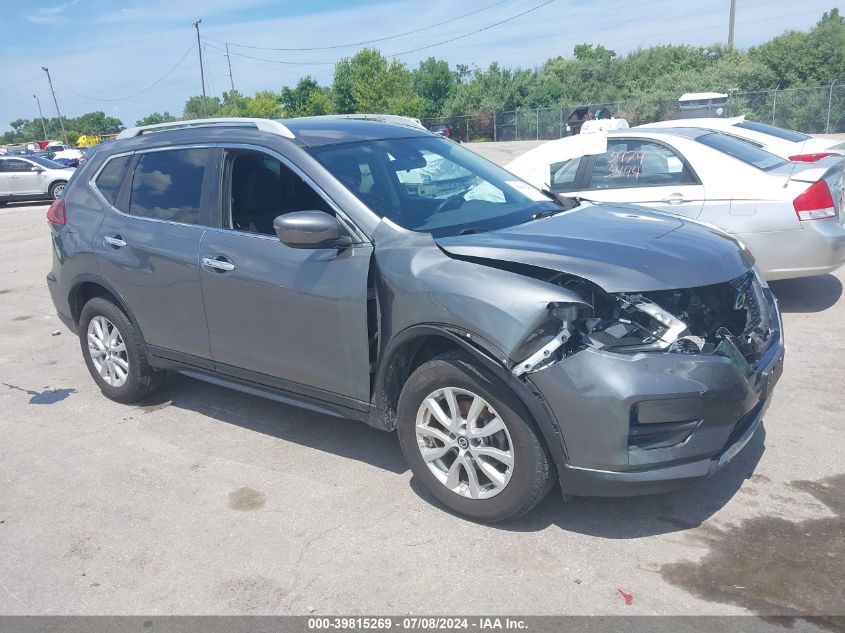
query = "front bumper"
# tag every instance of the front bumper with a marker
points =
(652, 422)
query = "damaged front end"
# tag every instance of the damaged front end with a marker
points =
(730, 319)
(655, 389)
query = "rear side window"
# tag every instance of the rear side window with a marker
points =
(111, 178)
(746, 152)
(771, 130)
(168, 185)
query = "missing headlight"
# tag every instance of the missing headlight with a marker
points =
(637, 325)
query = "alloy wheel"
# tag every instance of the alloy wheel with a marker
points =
(464, 443)
(108, 351)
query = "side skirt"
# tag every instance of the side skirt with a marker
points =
(202, 369)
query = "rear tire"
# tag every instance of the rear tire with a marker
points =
(57, 189)
(512, 472)
(114, 353)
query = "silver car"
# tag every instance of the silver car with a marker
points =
(790, 214)
(31, 178)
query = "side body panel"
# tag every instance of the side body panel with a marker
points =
(296, 315)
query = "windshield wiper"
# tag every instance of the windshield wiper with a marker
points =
(565, 203)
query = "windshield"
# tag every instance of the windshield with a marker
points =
(47, 164)
(771, 130)
(432, 185)
(741, 150)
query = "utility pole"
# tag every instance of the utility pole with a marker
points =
(229, 61)
(56, 103)
(829, 103)
(202, 72)
(731, 25)
(41, 114)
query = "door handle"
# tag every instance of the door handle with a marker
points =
(115, 241)
(214, 263)
(675, 198)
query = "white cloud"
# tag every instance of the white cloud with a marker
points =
(51, 15)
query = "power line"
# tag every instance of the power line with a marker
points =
(274, 61)
(21, 83)
(485, 28)
(142, 91)
(373, 41)
(459, 37)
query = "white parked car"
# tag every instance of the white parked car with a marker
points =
(790, 214)
(31, 178)
(787, 144)
(61, 150)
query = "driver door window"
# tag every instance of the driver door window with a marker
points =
(259, 188)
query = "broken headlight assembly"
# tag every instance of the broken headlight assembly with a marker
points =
(704, 320)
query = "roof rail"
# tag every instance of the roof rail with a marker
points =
(395, 119)
(263, 125)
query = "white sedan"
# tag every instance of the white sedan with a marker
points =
(775, 140)
(790, 214)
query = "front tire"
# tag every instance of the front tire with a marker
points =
(114, 353)
(470, 441)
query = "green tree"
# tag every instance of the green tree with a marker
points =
(801, 58)
(434, 83)
(367, 82)
(155, 118)
(194, 107)
(295, 101)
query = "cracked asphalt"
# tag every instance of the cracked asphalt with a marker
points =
(208, 501)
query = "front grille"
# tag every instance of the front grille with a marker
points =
(746, 297)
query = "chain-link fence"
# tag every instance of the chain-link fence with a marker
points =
(812, 110)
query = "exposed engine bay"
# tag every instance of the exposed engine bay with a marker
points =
(731, 319)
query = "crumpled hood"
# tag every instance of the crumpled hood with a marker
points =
(621, 248)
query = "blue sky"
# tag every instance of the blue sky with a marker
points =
(99, 50)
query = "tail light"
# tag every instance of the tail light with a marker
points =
(816, 203)
(56, 213)
(810, 158)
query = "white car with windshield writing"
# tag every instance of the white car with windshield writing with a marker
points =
(790, 214)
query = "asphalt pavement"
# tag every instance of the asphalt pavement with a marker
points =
(209, 501)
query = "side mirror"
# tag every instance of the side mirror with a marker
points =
(36, 168)
(310, 229)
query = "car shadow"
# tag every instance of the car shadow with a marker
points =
(612, 518)
(807, 294)
(25, 204)
(636, 517)
(338, 436)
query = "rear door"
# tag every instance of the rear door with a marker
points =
(148, 244)
(288, 318)
(644, 172)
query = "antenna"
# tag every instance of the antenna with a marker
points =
(795, 162)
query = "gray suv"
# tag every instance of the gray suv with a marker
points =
(378, 272)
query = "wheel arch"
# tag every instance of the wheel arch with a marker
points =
(57, 181)
(417, 344)
(87, 287)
